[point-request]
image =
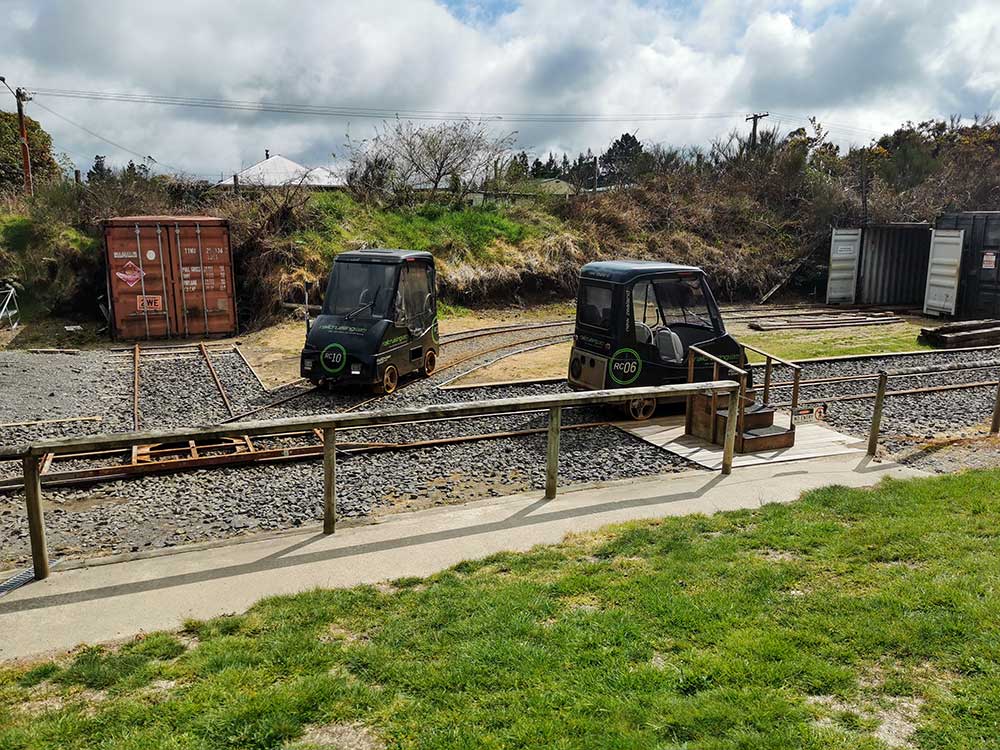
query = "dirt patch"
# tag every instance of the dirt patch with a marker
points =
(355, 736)
(338, 634)
(775, 555)
(56, 702)
(546, 362)
(948, 455)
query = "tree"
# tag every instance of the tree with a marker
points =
(625, 160)
(43, 162)
(581, 173)
(100, 171)
(452, 156)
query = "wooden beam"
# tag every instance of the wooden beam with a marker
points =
(369, 418)
(552, 453)
(36, 522)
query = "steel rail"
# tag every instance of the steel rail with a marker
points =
(218, 382)
(287, 454)
(904, 392)
(135, 387)
(891, 374)
(377, 397)
(497, 330)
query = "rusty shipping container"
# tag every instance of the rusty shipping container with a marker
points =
(170, 277)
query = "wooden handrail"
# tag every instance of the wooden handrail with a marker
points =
(768, 355)
(717, 360)
(33, 455)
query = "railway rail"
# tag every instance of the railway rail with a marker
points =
(304, 445)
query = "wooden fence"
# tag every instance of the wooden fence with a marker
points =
(32, 455)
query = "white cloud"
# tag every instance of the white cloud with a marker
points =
(869, 66)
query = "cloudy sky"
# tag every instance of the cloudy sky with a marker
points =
(564, 74)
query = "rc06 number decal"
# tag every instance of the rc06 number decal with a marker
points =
(333, 358)
(624, 366)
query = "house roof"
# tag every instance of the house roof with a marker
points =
(278, 170)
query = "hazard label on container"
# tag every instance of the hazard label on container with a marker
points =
(149, 303)
(131, 274)
(990, 260)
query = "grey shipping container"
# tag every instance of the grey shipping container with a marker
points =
(882, 264)
(979, 277)
(950, 269)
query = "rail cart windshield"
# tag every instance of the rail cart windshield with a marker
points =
(674, 301)
(360, 289)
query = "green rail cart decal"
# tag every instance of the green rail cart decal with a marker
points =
(333, 358)
(624, 366)
(393, 341)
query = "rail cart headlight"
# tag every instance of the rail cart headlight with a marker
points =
(576, 367)
(355, 368)
(307, 364)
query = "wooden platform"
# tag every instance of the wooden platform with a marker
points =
(811, 441)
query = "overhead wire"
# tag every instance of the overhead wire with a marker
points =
(144, 157)
(346, 111)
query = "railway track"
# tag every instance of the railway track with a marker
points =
(298, 446)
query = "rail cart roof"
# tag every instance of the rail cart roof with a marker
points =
(624, 271)
(383, 255)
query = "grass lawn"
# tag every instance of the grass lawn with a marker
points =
(851, 619)
(834, 342)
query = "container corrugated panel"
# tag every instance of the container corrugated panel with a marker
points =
(170, 276)
(894, 265)
(979, 282)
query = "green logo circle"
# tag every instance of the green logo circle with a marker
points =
(434, 333)
(339, 358)
(624, 366)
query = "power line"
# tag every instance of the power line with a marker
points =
(144, 157)
(349, 112)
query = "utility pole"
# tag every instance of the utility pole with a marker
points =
(22, 96)
(753, 133)
(864, 186)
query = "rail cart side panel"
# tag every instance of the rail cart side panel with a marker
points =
(139, 282)
(204, 297)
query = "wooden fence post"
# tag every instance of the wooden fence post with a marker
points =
(729, 444)
(995, 426)
(552, 454)
(883, 378)
(329, 480)
(36, 522)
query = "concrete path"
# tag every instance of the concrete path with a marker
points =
(121, 599)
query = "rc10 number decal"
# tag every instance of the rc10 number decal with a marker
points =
(624, 366)
(333, 358)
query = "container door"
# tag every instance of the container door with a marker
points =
(139, 281)
(203, 294)
(943, 271)
(845, 257)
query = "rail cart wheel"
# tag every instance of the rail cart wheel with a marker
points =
(390, 379)
(430, 362)
(641, 408)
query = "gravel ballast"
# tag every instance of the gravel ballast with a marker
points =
(167, 510)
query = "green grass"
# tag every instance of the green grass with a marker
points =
(475, 234)
(834, 342)
(696, 632)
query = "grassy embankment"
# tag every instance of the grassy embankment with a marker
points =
(482, 253)
(850, 619)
